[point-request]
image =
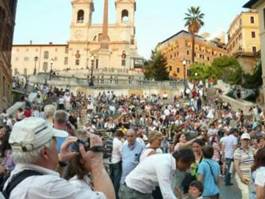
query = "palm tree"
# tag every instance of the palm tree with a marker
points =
(194, 21)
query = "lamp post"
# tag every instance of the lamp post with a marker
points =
(35, 67)
(184, 72)
(91, 83)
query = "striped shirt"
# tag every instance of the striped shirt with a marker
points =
(246, 160)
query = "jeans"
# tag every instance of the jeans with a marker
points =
(128, 193)
(228, 163)
(115, 175)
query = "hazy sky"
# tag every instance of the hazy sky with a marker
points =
(44, 21)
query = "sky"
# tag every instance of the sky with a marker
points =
(43, 21)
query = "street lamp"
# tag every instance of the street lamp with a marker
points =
(91, 83)
(35, 67)
(184, 72)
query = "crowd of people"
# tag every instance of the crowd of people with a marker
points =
(66, 145)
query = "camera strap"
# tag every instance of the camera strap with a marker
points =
(18, 178)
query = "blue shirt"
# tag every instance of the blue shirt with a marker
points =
(130, 158)
(210, 187)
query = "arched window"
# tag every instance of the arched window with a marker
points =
(80, 16)
(124, 16)
(123, 58)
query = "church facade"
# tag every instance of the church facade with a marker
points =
(101, 46)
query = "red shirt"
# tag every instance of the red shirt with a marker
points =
(27, 112)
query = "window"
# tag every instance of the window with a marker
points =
(77, 62)
(132, 40)
(188, 52)
(17, 58)
(124, 16)
(65, 60)
(254, 49)
(252, 20)
(80, 16)
(45, 66)
(170, 68)
(96, 63)
(123, 58)
(123, 62)
(66, 49)
(177, 70)
(26, 58)
(46, 55)
(253, 34)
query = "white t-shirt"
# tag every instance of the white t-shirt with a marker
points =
(116, 151)
(260, 177)
(229, 142)
(90, 106)
(61, 100)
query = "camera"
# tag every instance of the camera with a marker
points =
(86, 143)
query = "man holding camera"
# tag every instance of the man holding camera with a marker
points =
(33, 142)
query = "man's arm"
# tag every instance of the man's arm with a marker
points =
(164, 181)
(101, 181)
(243, 180)
(93, 162)
(260, 192)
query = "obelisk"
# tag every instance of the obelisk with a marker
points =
(105, 36)
(104, 52)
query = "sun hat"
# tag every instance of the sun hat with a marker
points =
(245, 136)
(32, 133)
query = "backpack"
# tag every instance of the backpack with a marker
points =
(15, 180)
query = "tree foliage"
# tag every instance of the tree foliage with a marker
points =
(253, 81)
(225, 68)
(156, 67)
(194, 21)
(203, 72)
(194, 17)
(229, 68)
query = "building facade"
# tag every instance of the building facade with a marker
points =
(244, 40)
(35, 58)
(259, 5)
(7, 23)
(177, 48)
(98, 45)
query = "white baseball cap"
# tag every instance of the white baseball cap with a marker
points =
(32, 133)
(245, 136)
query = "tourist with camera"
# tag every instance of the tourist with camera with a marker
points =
(33, 142)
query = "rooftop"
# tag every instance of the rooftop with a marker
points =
(186, 33)
(250, 3)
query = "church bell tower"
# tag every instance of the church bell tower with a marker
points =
(125, 12)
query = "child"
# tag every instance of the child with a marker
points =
(195, 190)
